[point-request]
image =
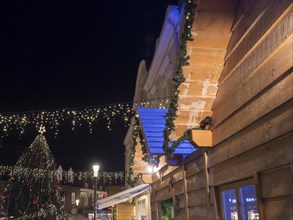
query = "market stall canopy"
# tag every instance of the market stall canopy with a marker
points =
(122, 196)
(153, 124)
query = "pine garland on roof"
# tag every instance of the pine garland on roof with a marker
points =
(178, 79)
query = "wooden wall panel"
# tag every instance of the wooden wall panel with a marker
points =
(196, 181)
(206, 57)
(264, 14)
(180, 214)
(160, 184)
(194, 166)
(175, 172)
(242, 21)
(193, 73)
(216, 5)
(197, 197)
(275, 66)
(277, 182)
(273, 98)
(178, 187)
(124, 211)
(181, 200)
(198, 213)
(265, 129)
(265, 157)
(196, 88)
(281, 32)
(278, 208)
(163, 194)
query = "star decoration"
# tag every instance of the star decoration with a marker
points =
(42, 130)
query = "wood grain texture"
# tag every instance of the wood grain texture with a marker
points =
(274, 67)
(264, 104)
(277, 182)
(262, 131)
(264, 157)
(268, 44)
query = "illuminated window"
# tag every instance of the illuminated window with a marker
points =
(238, 201)
(73, 198)
(141, 209)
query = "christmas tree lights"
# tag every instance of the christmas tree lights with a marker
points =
(33, 189)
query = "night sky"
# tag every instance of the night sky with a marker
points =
(70, 54)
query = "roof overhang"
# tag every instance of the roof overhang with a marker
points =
(153, 124)
(122, 196)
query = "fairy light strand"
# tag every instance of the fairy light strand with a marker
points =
(51, 120)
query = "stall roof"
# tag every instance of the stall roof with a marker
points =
(153, 124)
(122, 196)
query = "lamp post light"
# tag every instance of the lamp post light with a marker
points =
(96, 171)
(76, 203)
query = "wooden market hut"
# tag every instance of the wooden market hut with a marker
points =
(240, 74)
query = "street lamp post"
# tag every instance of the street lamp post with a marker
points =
(96, 171)
(76, 203)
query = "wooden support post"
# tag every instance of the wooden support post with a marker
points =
(157, 210)
(185, 193)
(207, 184)
(258, 196)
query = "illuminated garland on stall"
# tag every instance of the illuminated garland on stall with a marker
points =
(137, 132)
(88, 116)
(179, 77)
(103, 177)
(173, 105)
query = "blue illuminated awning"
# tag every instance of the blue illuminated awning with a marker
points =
(153, 124)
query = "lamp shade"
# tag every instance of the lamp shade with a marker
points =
(96, 170)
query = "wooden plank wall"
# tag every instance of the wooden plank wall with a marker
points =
(186, 185)
(124, 211)
(252, 132)
(253, 129)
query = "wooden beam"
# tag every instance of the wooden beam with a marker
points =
(201, 138)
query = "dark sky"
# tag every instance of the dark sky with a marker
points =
(65, 54)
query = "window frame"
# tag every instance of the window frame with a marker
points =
(237, 185)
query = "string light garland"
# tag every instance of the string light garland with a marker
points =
(78, 117)
(90, 194)
(178, 79)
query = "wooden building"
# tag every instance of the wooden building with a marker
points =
(240, 74)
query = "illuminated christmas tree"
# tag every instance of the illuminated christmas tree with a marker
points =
(33, 189)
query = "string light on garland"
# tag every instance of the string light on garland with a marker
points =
(183, 60)
(171, 104)
(137, 133)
